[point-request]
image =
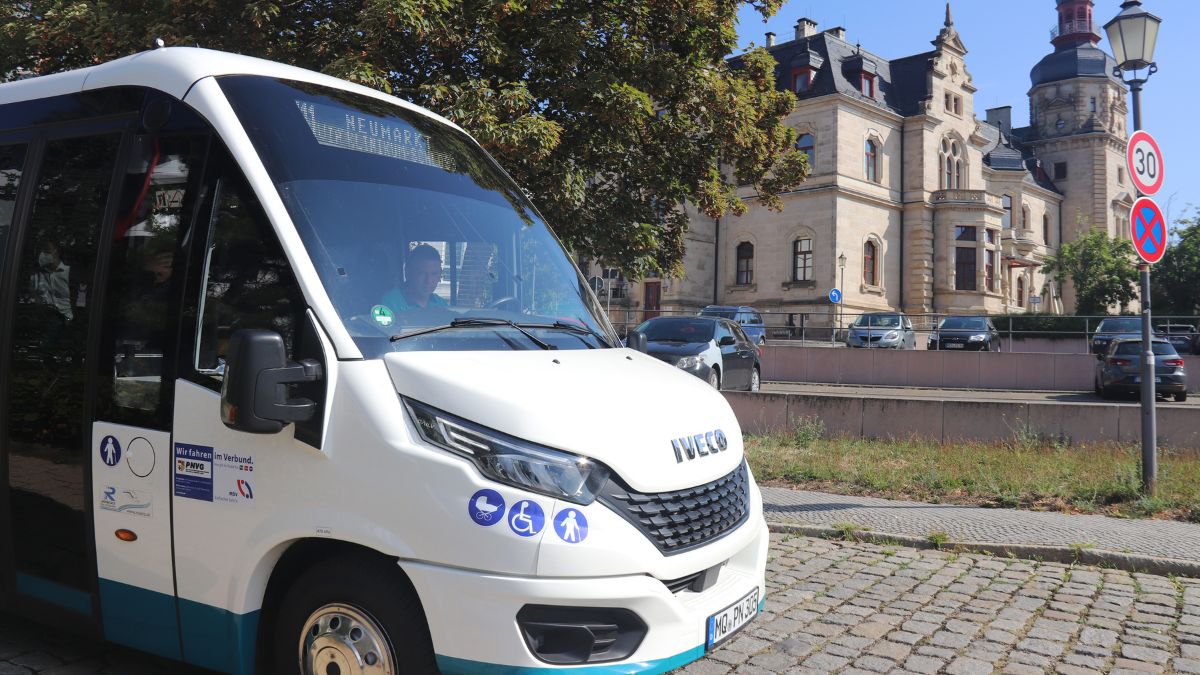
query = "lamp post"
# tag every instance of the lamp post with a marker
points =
(842, 284)
(1133, 34)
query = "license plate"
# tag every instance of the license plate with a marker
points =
(723, 624)
(953, 345)
(1138, 380)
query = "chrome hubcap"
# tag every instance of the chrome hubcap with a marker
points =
(342, 640)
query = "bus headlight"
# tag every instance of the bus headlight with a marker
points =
(509, 460)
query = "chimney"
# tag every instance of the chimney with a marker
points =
(837, 32)
(770, 39)
(805, 28)
(1001, 117)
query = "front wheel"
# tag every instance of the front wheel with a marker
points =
(352, 615)
(1181, 397)
(755, 381)
(714, 379)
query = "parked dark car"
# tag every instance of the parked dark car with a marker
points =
(1182, 335)
(1126, 327)
(1120, 369)
(746, 317)
(713, 349)
(970, 333)
(882, 330)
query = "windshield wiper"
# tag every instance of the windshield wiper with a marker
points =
(476, 323)
(572, 327)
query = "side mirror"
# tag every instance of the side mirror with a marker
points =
(636, 340)
(254, 394)
(726, 341)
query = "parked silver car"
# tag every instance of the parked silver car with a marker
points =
(1120, 369)
(882, 330)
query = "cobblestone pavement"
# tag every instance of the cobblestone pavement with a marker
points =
(1156, 538)
(863, 608)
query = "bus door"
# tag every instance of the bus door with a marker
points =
(84, 416)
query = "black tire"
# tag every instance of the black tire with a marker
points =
(370, 584)
(1181, 397)
(714, 378)
(755, 380)
(762, 340)
(1105, 393)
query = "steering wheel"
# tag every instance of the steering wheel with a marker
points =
(502, 303)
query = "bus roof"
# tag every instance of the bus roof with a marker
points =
(173, 70)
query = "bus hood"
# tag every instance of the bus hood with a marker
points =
(618, 406)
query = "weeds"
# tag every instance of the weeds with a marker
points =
(847, 531)
(807, 431)
(938, 539)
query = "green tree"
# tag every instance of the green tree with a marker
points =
(1102, 270)
(1175, 281)
(613, 113)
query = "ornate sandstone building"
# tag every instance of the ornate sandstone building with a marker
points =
(934, 209)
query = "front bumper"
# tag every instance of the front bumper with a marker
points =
(945, 345)
(472, 615)
(859, 342)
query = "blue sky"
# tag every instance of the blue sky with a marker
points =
(1004, 40)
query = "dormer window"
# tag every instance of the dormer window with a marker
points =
(867, 85)
(802, 79)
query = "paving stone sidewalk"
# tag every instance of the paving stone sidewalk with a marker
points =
(859, 608)
(1149, 538)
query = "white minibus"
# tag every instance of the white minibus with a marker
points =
(295, 379)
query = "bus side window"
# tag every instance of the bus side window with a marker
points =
(142, 301)
(246, 280)
(12, 158)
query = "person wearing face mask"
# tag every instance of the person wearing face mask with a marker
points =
(50, 282)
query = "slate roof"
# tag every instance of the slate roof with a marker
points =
(900, 85)
(1076, 61)
(1005, 152)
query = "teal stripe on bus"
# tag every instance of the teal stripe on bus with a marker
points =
(139, 618)
(55, 593)
(217, 638)
(450, 665)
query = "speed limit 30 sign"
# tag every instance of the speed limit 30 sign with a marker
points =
(1145, 163)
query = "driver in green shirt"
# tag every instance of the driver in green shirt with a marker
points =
(422, 272)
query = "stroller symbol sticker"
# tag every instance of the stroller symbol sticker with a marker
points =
(526, 518)
(486, 507)
(571, 526)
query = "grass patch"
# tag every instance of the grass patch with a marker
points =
(1027, 472)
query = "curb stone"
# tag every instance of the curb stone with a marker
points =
(1128, 562)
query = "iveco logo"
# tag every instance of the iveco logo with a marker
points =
(709, 443)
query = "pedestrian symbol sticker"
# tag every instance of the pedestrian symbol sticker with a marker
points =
(571, 526)
(486, 508)
(110, 450)
(526, 518)
(382, 315)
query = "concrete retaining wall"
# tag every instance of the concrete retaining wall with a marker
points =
(939, 369)
(949, 421)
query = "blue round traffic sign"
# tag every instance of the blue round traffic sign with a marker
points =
(1148, 230)
(571, 526)
(835, 296)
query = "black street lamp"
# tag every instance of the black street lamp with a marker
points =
(1133, 34)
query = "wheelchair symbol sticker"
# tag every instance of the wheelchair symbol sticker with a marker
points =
(526, 518)
(486, 508)
(571, 526)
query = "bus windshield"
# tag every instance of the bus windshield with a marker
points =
(420, 239)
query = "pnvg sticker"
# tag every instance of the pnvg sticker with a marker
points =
(194, 472)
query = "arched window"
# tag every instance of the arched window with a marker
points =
(745, 263)
(952, 166)
(1046, 229)
(1021, 292)
(871, 161)
(870, 259)
(1025, 217)
(808, 145)
(802, 260)
(1006, 219)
